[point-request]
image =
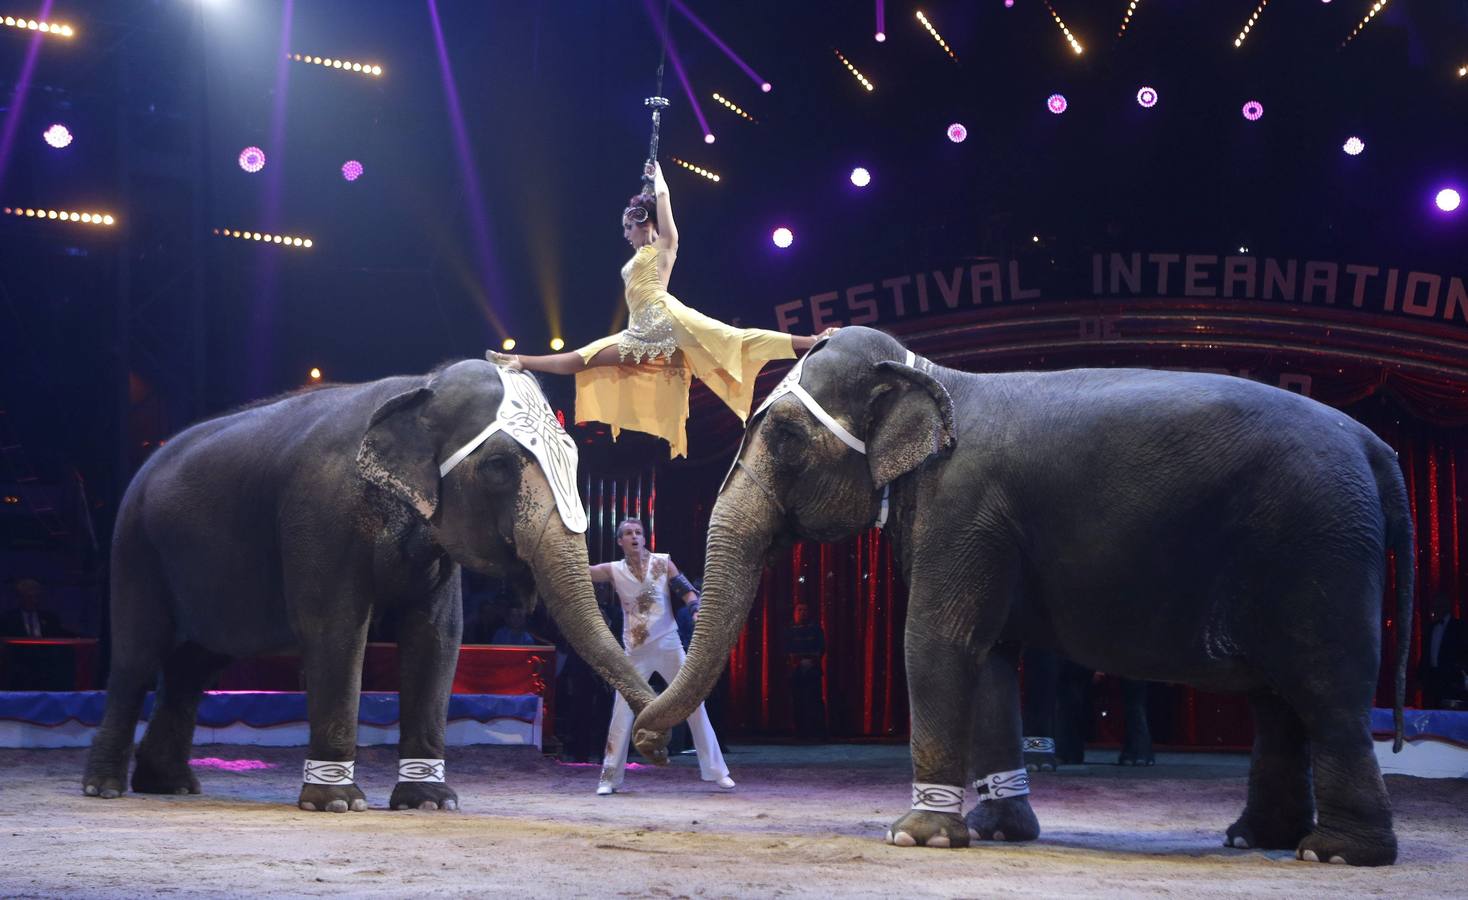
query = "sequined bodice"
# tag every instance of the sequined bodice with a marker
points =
(649, 331)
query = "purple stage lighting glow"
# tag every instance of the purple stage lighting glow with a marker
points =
(252, 159)
(708, 138)
(708, 33)
(57, 136)
(1448, 200)
(957, 133)
(1056, 103)
(881, 36)
(1008, 4)
(1253, 110)
(861, 177)
(766, 87)
(783, 237)
(1353, 145)
(1147, 97)
(351, 170)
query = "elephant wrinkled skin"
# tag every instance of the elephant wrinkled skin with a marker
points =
(292, 523)
(1170, 526)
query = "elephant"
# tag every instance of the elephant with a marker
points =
(1172, 526)
(296, 522)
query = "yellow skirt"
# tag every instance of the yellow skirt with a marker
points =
(652, 397)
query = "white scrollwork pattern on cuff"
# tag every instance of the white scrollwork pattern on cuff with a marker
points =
(941, 798)
(420, 770)
(324, 771)
(999, 785)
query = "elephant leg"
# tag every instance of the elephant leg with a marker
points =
(1354, 813)
(141, 633)
(1042, 681)
(333, 641)
(1073, 693)
(1280, 810)
(163, 754)
(1002, 784)
(1136, 747)
(428, 654)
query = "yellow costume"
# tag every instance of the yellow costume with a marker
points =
(665, 340)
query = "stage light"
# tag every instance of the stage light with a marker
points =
(957, 133)
(283, 240)
(697, 170)
(1008, 4)
(315, 374)
(1463, 71)
(881, 36)
(1448, 200)
(351, 170)
(853, 69)
(1370, 14)
(252, 159)
(708, 138)
(507, 344)
(1070, 38)
(1126, 17)
(766, 87)
(936, 36)
(725, 102)
(61, 215)
(783, 237)
(1253, 110)
(557, 344)
(58, 136)
(1056, 103)
(1147, 97)
(51, 28)
(1354, 145)
(1034, 239)
(1243, 35)
(345, 65)
(861, 177)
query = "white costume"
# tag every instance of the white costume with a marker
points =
(650, 636)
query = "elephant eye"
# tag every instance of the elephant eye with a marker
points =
(788, 443)
(499, 468)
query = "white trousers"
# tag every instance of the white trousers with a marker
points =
(664, 656)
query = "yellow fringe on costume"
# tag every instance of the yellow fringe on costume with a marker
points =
(668, 343)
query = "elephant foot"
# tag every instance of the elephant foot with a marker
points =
(425, 795)
(1009, 819)
(653, 745)
(1268, 832)
(1370, 848)
(1130, 757)
(151, 777)
(108, 787)
(337, 798)
(920, 828)
(1039, 754)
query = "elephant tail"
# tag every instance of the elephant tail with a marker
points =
(1400, 540)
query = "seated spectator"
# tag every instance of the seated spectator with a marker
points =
(30, 618)
(513, 631)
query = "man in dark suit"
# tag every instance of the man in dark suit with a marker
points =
(29, 619)
(1445, 658)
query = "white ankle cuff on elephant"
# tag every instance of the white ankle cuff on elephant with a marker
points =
(941, 798)
(999, 785)
(420, 770)
(325, 771)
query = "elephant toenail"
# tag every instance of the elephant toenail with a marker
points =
(90, 790)
(428, 806)
(308, 806)
(889, 835)
(359, 805)
(1338, 860)
(110, 794)
(450, 805)
(903, 839)
(974, 835)
(940, 841)
(337, 806)
(1309, 856)
(998, 835)
(1240, 842)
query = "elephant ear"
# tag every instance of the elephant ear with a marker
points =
(911, 420)
(398, 452)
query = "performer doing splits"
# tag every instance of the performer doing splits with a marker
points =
(639, 378)
(645, 584)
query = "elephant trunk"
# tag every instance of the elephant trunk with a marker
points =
(741, 530)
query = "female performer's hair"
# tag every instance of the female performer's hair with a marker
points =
(648, 204)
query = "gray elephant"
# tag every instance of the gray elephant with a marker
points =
(1170, 526)
(295, 522)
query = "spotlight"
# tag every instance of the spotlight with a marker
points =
(507, 344)
(1253, 110)
(557, 344)
(881, 36)
(351, 170)
(1354, 145)
(766, 87)
(51, 28)
(1008, 4)
(699, 170)
(1243, 35)
(1448, 200)
(58, 136)
(252, 159)
(783, 237)
(283, 240)
(1147, 97)
(853, 70)
(861, 177)
(1370, 14)
(344, 65)
(957, 133)
(1070, 38)
(315, 374)
(708, 138)
(1126, 17)
(724, 101)
(1056, 103)
(62, 215)
(936, 36)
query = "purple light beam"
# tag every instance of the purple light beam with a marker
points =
(22, 88)
(667, 36)
(708, 32)
(881, 20)
(478, 224)
(260, 376)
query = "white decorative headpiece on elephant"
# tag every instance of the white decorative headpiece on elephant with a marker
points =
(1172, 526)
(298, 521)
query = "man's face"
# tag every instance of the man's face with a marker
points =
(630, 539)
